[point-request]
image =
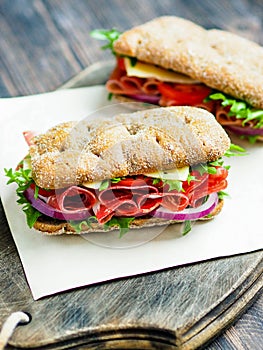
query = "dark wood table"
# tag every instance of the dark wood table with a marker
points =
(44, 43)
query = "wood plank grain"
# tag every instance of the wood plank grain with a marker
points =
(246, 333)
(162, 306)
(59, 34)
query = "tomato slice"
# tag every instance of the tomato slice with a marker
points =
(139, 180)
(184, 94)
(42, 191)
(120, 63)
(205, 184)
(221, 174)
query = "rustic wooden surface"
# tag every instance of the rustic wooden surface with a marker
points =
(42, 45)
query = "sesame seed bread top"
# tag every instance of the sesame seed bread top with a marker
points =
(127, 144)
(220, 59)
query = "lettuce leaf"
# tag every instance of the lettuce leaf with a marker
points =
(122, 222)
(110, 35)
(23, 179)
(78, 225)
(240, 109)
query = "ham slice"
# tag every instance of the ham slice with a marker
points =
(209, 106)
(224, 119)
(129, 197)
(150, 86)
(73, 199)
(137, 197)
(120, 83)
(174, 201)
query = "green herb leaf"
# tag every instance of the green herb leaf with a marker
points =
(209, 216)
(110, 95)
(115, 180)
(122, 222)
(36, 192)
(210, 167)
(240, 109)
(235, 150)
(201, 168)
(109, 35)
(217, 96)
(211, 170)
(156, 181)
(187, 227)
(218, 162)
(31, 214)
(191, 178)
(78, 225)
(174, 185)
(22, 177)
(104, 185)
(222, 194)
(253, 139)
(133, 61)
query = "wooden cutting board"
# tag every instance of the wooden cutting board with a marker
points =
(177, 308)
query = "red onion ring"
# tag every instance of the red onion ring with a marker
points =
(186, 214)
(47, 210)
(145, 98)
(240, 130)
(189, 213)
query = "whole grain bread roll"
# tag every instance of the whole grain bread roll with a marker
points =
(220, 59)
(127, 144)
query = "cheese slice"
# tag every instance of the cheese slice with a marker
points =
(171, 174)
(180, 174)
(27, 163)
(147, 70)
(95, 185)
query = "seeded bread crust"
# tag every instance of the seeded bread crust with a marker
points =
(52, 227)
(127, 144)
(220, 59)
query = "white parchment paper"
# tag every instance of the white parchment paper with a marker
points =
(58, 263)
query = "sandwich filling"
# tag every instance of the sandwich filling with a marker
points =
(119, 201)
(151, 84)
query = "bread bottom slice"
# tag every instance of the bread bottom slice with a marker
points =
(51, 226)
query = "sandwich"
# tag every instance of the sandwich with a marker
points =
(152, 167)
(171, 61)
